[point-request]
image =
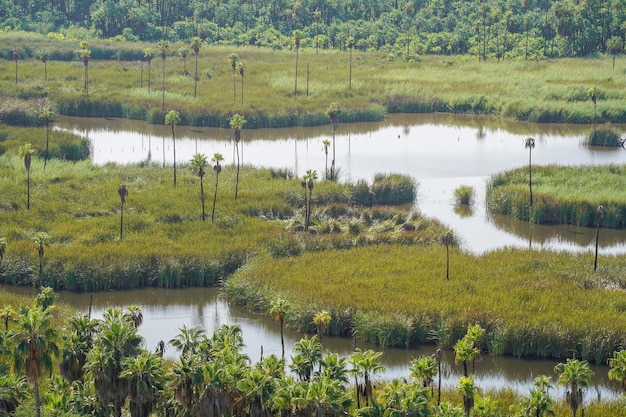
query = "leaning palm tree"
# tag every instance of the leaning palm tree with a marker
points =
(333, 112)
(148, 54)
(163, 48)
(85, 54)
(217, 167)
(42, 240)
(199, 164)
(122, 191)
(233, 59)
(35, 346)
(529, 143)
(298, 35)
(593, 95)
(26, 152)
(44, 56)
(172, 118)
(279, 308)
(575, 375)
(237, 122)
(196, 44)
(47, 115)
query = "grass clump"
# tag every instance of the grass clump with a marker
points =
(464, 194)
(604, 137)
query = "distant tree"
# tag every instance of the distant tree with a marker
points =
(85, 54)
(600, 212)
(326, 144)
(350, 45)
(183, 52)
(574, 375)
(123, 193)
(16, 54)
(163, 48)
(241, 65)
(308, 183)
(321, 320)
(196, 44)
(42, 240)
(47, 115)
(529, 143)
(298, 35)
(333, 112)
(217, 167)
(593, 95)
(233, 59)
(237, 122)
(148, 54)
(279, 309)
(199, 164)
(468, 389)
(172, 118)
(615, 46)
(27, 152)
(44, 56)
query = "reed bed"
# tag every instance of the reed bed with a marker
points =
(62, 145)
(567, 195)
(539, 91)
(532, 304)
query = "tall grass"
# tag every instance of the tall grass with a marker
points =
(532, 304)
(538, 91)
(567, 195)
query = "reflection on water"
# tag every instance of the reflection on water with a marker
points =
(441, 151)
(165, 311)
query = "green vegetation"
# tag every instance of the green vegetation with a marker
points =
(604, 137)
(565, 195)
(464, 194)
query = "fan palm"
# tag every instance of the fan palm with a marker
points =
(424, 368)
(172, 118)
(163, 47)
(27, 153)
(44, 56)
(196, 44)
(122, 191)
(529, 143)
(575, 375)
(333, 112)
(467, 388)
(321, 320)
(188, 340)
(148, 54)
(47, 115)
(85, 55)
(233, 59)
(237, 123)
(42, 240)
(146, 373)
(199, 164)
(279, 309)
(217, 167)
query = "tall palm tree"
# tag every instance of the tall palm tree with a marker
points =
(326, 144)
(77, 342)
(333, 112)
(618, 367)
(600, 212)
(44, 56)
(237, 123)
(279, 309)
(163, 46)
(467, 388)
(187, 381)
(308, 183)
(16, 54)
(614, 46)
(321, 320)
(122, 191)
(172, 118)
(241, 66)
(529, 143)
(350, 45)
(47, 115)
(42, 240)
(85, 54)
(196, 44)
(593, 95)
(447, 239)
(298, 35)
(575, 375)
(146, 373)
(183, 52)
(217, 167)
(366, 363)
(35, 346)
(188, 340)
(199, 164)
(148, 54)
(26, 152)
(233, 59)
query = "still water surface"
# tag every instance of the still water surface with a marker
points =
(441, 152)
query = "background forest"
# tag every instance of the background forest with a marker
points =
(488, 29)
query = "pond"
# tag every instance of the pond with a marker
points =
(441, 152)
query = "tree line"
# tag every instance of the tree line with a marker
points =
(490, 29)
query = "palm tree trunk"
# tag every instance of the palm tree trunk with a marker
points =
(195, 79)
(282, 337)
(217, 176)
(202, 197)
(37, 399)
(174, 147)
(238, 165)
(28, 190)
(121, 221)
(45, 160)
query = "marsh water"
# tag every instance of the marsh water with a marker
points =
(441, 152)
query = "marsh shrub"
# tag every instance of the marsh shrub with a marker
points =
(393, 189)
(604, 137)
(464, 194)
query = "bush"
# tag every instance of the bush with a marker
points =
(464, 194)
(604, 137)
(393, 189)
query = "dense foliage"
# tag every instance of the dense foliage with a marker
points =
(490, 29)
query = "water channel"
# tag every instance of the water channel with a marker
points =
(441, 152)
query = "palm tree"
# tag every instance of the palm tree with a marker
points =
(618, 367)
(148, 53)
(350, 45)
(35, 346)
(13, 390)
(237, 122)
(41, 239)
(326, 144)
(187, 381)
(529, 143)
(44, 56)
(199, 164)
(468, 389)
(600, 212)
(15, 54)
(614, 46)
(447, 239)
(123, 193)
(47, 115)
(279, 309)
(78, 341)
(425, 368)
(333, 112)
(465, 352)
(308, 354)
(26, 152)
(163, 48)
(366, 363)
(188, 340)
(233, 59)
(146, 373)
(321, 320)
(172, 118)
(85, 54)
(196, 44)
(217, 167)
(298, 35)
(241, 65)
(182, 51)
(308, 182)
(593, 95)
(3, 247)
(7, 314)
(135, 315)
(575, 375)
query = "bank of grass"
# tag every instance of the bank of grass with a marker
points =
(564, 195)
(538, 91)
(532, 304)
(61, 145)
